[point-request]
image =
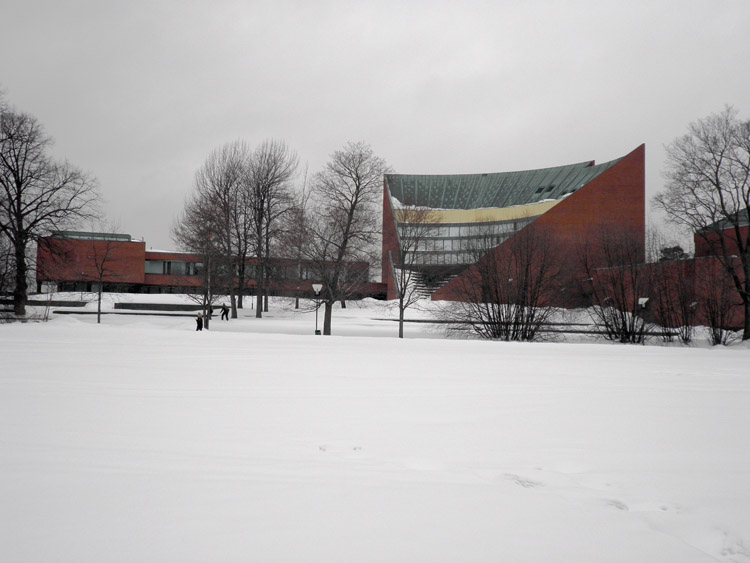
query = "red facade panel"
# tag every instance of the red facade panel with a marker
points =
(614, 200)
(390, 244)
(709, 244)
(160, 280)
(71, 260)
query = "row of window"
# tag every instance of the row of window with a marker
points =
(177, 268)
(173, 268)
(453, 245)
(438, 258)
(471, 229)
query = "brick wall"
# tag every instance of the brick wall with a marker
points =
(68, 260)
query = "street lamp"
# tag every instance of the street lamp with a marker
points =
(316, 288)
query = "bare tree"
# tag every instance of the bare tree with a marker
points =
(717, 301)
(294, 236)
(193, 232)
(219, 189)
(508, 293)
(344, 226)
(414, 225)
(708, 191)
(37, 194)
(238, 197)
(103, 259)
(616, 282)
(267, 183)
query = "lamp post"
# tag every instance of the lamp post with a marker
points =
(316, 288)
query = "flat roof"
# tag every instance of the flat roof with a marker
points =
(85, 235)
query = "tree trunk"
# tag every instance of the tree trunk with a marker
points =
(401, 319)
(99, 304)
(206, 310)
(259, 292)
(240, 287)
(745, 292)
(259, 305)
(21, 288)
(327, 318)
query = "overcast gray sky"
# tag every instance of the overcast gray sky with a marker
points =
(138, 93)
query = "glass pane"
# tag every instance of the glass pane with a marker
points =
(179, 268)
(154, 267)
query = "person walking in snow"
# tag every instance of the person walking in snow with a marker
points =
(199, 322)
(224, 312)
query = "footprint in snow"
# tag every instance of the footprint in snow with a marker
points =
(324, 448)
(619, 505)
(523, 481)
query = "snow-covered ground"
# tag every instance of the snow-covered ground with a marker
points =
(141, 439)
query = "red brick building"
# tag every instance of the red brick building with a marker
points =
(570, 202)
(78, 261)
(722, 237)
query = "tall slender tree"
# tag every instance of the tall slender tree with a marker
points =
(414, 226)
(294, 236)
(102, 258)
(272, 168)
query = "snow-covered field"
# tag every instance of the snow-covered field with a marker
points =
(142, 440)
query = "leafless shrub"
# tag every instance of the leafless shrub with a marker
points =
(506, 294)
(616, 282)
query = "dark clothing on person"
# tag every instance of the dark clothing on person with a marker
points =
(224, 313)
(199, 322)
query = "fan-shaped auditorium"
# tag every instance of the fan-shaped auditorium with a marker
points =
(570, 201)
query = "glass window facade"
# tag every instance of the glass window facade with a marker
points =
(462, 243)
(172, 268)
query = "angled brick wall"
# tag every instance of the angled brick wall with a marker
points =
(614, 200)
(390, 244)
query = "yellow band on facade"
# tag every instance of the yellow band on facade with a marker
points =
(487, 215)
